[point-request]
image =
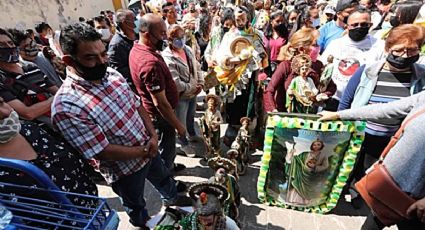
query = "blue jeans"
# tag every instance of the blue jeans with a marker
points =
(167, 141)
(131, 188)
(185, 112)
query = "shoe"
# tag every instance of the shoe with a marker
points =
(179, 167)
(188, 150)
(180, 201)
(195, 138)
(181, 187)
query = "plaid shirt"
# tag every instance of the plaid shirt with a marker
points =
(92, 116)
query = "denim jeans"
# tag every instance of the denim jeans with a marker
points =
(167, 141)
(185, 112)
(131, 189)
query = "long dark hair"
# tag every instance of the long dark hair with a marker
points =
(269, 30)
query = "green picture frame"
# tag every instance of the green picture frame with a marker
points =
(343, 154)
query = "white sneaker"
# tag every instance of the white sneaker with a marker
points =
(195, 138)
(188, 150)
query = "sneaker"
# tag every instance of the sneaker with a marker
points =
(188, 150)
(195, 138)
(181, 187)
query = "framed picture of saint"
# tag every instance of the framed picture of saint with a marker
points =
(306, 163)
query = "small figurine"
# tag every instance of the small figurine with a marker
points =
(211, 125)
(224, 168)
(239, 149)
(301, 93)
(325, 79)
(208, 208)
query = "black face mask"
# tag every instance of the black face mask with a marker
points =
(91, 73)
(402, 62)
(161, 44)
(225, 30)
(358, 34)
(394, 21)
(241, 28)
(9, 55)
(345, 20)
(290, 25)
(281, 29)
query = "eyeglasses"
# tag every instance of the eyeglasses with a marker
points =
(408, 51)
(361, 24)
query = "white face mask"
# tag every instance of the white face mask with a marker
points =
(9, 127)
(105, 33)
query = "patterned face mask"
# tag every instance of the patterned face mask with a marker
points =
(9, 127)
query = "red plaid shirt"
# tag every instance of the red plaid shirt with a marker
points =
(92, 116)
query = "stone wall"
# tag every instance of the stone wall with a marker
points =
(22, 14)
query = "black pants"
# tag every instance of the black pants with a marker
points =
(372, 223)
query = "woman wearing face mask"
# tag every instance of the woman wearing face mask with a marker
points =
(22, 84)
(186, 73)
(227, 21)
(27, 141)
(301, 42)
(202, 36)
(29, 52)
(396, 77)
(275, 37)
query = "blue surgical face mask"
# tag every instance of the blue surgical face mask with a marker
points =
(179, 43)
(137, 23)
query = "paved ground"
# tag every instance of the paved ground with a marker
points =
(253, 215)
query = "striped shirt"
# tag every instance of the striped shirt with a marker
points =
(389, 87)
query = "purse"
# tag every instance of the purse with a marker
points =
(379, 190)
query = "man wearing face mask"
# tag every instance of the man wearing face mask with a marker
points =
(101, 117)
(122, 43)
(29, 52)
(22, 84)
(349, 52)
(155, 84)
(335, 29)
(102, 28)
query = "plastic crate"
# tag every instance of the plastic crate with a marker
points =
(55, 211)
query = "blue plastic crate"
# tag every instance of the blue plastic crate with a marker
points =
(55, 211)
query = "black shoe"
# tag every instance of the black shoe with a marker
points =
(181, 187)
(179, 167)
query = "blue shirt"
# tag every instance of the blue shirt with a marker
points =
(328, 32)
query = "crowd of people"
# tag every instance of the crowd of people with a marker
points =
(117, 94)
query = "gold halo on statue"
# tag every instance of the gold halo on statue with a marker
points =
(213, 96)
(245, 119)
(220, 162)
(216, 189)
(239, 44)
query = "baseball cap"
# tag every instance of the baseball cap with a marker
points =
(344, 4)
(329, 10)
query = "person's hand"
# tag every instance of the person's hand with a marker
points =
(311, 164)
(417, 209)
(198, 89)
(328, 116)
(181, 130)
(152, 146)
(274, 111)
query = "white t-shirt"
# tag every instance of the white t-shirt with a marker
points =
(348, 57)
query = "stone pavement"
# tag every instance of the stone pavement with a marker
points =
(253, 215)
